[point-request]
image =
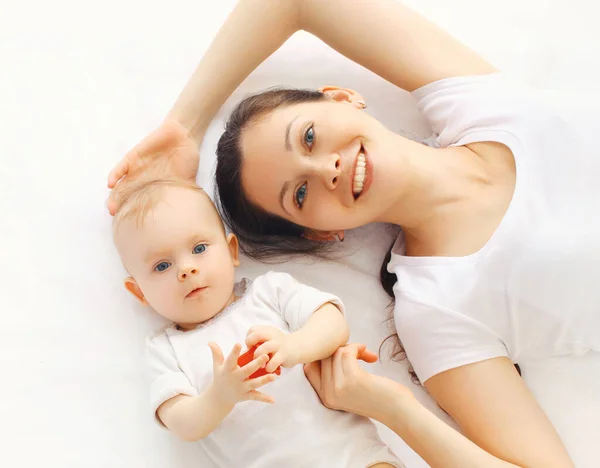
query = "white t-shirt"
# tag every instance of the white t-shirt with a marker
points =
(297, 430)
(533, 290)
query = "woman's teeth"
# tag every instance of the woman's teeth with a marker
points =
(359, 174)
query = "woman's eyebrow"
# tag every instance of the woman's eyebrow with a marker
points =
(288, 145)
(284, 190)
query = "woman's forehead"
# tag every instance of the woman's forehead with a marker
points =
(271, 129)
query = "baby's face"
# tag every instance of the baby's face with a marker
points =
(181, 262)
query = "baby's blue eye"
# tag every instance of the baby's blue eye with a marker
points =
(162, 266)
(301, 195)
(309, 136)
(199, 248)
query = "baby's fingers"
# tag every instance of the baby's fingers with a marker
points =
(274, 362)
(253, 384)
(253, 366)
(269, 347)
(232, 359)
(217, 354)
(258, 396)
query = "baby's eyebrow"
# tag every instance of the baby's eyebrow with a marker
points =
(193, 240)
(152, 254)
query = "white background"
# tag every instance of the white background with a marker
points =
(80, 83)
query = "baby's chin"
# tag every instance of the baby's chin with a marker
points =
(189, 321)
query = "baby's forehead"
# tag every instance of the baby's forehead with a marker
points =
(178, 209)
(171, 221)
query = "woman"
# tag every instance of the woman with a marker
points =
(490, 216)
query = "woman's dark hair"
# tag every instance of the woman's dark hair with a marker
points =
(388, 280)
(262, 235)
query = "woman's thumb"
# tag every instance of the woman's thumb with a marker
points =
(364, 354)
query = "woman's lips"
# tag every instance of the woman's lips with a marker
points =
(368, 174)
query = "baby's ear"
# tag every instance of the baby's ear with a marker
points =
(132, 286)
(234, 248)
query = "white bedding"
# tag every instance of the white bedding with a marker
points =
(80, 84)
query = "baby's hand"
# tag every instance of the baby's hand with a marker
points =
(276, 343)
(230, 382)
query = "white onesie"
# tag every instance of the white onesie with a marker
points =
(297, 431)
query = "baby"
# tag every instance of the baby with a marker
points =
(182, 263)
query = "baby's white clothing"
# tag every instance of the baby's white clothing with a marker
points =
(533, 290)
(296, 431)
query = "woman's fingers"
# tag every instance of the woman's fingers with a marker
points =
(336, 368)
(348, 362)
(364, 354)
(118, 172)
(312, 371)
(327, 369)
(253, 366)
(347, 359)
(114, 199)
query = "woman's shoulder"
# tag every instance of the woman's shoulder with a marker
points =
(494, 107)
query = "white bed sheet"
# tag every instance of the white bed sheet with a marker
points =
(80, 84)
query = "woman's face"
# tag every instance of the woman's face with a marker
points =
(324, 165)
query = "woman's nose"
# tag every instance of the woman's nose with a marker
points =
(332, 171)
(186, 272)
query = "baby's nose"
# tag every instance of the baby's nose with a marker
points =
(186, 272)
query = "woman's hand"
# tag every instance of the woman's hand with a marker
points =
(342, 384)
(168, 151)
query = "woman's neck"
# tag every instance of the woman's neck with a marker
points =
(438, 186)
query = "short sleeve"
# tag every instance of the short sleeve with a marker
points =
(468, 109)
(166, 378)
(295, 301)
(437, 339)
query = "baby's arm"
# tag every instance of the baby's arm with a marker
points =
(314, 317)
(192, 418)
(324, 332)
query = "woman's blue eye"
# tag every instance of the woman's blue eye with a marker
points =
(199, 248)
(301, 195)
(309, 136)
(162, 266)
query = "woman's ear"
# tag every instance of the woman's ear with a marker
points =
(335, 93)
(324, 236)
(132, 286)
(234, 247)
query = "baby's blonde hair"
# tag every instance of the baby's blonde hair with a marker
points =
(141, 197)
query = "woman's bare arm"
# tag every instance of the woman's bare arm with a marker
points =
(494, 408)
(382, 35)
